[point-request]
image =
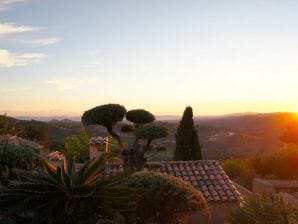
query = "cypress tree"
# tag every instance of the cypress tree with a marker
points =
(187, 139)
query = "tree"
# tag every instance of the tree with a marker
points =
(135, 157)
(164, 198)
(77, 146)
(107, 115)
(57, 195)
(263, 209)
(139, 117)
(150, 133)
(187, 140)
(290, 135)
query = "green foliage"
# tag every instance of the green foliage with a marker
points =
(9, 126)
(187, 140)
(40, 134)
(77, 146)
(164, 198)
(140, 117)
(150, 132)
(107, 115)
(263, 209)
(57, 195)
(22, 156)
(240, 170)
(114, 150)
(285, 164)
(127, 128)
(290, 135)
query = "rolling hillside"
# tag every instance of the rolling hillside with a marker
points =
(221, 137)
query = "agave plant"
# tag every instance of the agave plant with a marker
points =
(64, 195)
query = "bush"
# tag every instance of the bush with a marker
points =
(263, 209)
(164, 198)
(240, 170)
(22, 156)
(56, 195)
(285, 164)
(77, 147)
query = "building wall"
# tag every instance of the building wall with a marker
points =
(261, 186)
(218, 213)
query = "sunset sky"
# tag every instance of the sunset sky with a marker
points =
(61, 57)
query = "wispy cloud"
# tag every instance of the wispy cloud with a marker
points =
(14, 89)
(44, 41)
(5, 4)
(8, 59)
(12, 28)
(93, 52)
(69, 83)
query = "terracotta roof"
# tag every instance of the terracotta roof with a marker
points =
(98, 140)
(205, 175)
(56, 155)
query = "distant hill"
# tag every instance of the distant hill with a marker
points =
(236, 135)
(49, 118)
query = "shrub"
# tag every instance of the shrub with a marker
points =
(285, 164)
(22, 156)
(77, 146)
(164, 198)
(55, 195)
(240, 170)
(263, 209)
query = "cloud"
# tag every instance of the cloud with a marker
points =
(70, 83)
(12, 28)
(93, 52)
(5, 4)
(93, 63)
(8, 59)
(44, 41)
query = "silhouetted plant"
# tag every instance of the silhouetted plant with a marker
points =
(65, 195)
(240, 170)
(77, 146)
(150, 133)
(139, 117)
(285, 164)
(164, 198)
(263, 209)
(107, 115)
(23, 156)
(133, 157)
(187, 140)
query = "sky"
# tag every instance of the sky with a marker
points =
(62, 57)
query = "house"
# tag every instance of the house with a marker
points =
(206, 176)
(286, 189)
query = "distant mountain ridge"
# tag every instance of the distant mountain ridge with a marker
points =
(158, 117)
(220, 136)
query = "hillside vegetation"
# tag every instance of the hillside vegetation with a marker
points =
(220, 137)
